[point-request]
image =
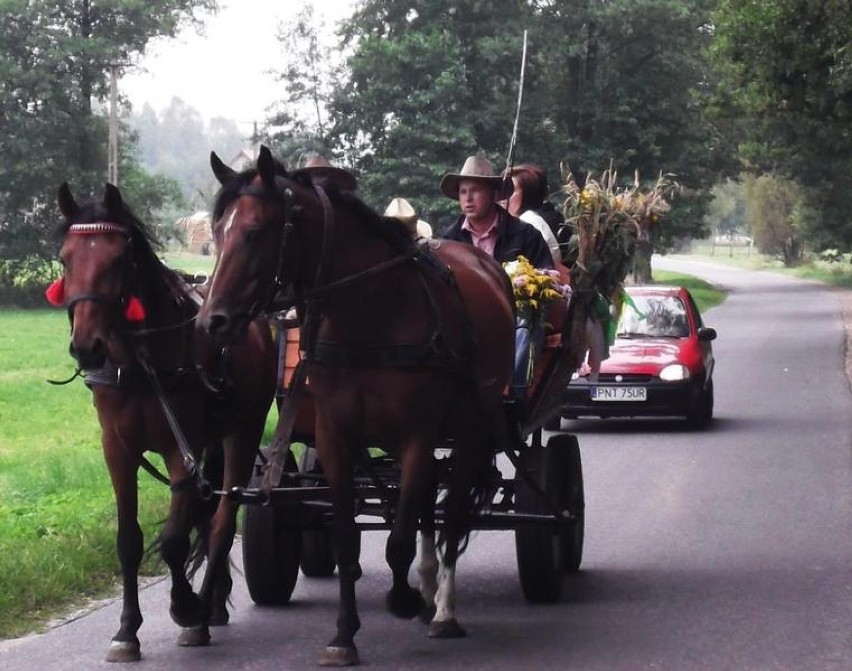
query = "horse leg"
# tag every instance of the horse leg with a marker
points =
(216, 586)
(124, 646)
(175, 548)
(416, 464)
(341, 650)
(428, 567)
(470, 479)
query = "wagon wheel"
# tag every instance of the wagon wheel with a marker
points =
(545, 551)
(271, 548)
(317, 550)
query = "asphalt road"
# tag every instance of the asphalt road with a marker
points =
(728, 549)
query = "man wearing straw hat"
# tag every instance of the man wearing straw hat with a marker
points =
(318, 167)
(401, 210)
(492, 229)
(483, 223)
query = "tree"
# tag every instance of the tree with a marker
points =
(787, 92)
(53, 80)
(432, 81)
(300, 121)
(774, 215)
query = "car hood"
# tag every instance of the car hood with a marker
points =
(645, 351)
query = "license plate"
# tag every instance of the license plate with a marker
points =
(619, 394)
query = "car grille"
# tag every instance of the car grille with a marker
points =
(625, 378)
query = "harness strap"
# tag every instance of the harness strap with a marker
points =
(391, 355)
(280, 446)
(189, 461)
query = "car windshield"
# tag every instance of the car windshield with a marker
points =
(653, 316)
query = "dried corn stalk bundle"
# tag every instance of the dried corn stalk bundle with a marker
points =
(607, 221)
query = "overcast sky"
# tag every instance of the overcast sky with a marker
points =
(224, 72)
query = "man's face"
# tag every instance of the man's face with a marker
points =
(476, 199)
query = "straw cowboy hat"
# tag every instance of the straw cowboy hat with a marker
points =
(318, 167)
(401, 209)
(476, 167)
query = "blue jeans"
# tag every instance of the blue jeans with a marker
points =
(528, 341)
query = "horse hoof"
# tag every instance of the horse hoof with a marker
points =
(334, 655)
(185, 617)
(446, 629)
(427, 614)
(219, 618)
(194, 637)
(123, 651)
(405, 604)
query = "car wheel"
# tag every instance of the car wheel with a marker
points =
(701, 415)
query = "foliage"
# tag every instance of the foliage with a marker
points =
(53, 79)
(774, 214)
(431, 82)
(300, 121)
(786, 93)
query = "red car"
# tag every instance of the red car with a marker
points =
(661, 363)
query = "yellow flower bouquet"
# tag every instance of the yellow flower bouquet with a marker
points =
(534, 288)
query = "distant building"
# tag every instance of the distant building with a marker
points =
(197, 232)
(244, 158)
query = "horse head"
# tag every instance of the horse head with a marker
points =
(250, 215)
(98, 275)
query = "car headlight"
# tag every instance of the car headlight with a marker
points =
(674, 373)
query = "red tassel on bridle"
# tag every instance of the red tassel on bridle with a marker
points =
(55, 293)
(135, 311)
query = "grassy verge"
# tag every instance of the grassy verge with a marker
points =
(704, 293)
(57, 513)
(837, 273)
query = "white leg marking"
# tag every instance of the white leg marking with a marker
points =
(445, 599)
(428, 569)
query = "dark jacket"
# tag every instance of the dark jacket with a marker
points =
(514, 238)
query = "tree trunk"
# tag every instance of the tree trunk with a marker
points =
(642, 262)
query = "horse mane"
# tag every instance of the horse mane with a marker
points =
(387, 228)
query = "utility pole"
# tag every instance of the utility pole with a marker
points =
(112, 154)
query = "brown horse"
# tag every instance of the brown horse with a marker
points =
(405, 345)
(134, 337)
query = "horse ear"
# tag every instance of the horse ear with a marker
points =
(266, 166)
(112, 199)
(67, 204)
(222, 172)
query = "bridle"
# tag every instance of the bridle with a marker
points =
(320, 288)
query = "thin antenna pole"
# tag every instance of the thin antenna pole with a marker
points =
(112, 153)
(511, 156)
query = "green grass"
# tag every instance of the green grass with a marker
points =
(57, 529)
(57, 512)
(837, 273)
(704, 293)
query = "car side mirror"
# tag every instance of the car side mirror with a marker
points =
(706, 334)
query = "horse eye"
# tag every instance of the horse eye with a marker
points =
(251, 235)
